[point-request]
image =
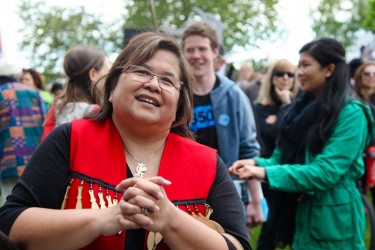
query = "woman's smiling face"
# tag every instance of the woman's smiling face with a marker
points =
(312, 75)
(147, 103)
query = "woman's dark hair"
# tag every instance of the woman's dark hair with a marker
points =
(141, 48)
(56, 86)
(78, 62)
(37, 77)
(332, 99)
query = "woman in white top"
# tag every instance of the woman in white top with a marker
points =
(84, 67)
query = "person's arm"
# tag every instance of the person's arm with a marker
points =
(32, 213)
(275, 159)
(254, 212)
(342, 150)
(185, 232)
(40, 228)
(266, 128)
(249, 148)
(248, 171)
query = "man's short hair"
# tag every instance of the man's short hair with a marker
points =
(204, 30)
(354, 65)
(221, 51)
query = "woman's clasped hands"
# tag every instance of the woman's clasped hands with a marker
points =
(247, 169)
(143, 205)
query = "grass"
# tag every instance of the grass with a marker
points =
(254, 235)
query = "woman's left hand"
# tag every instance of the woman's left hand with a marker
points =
(285, 95)
(140, 194)
(247, 170)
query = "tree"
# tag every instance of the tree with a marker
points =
(368, 21)
(244, 22)
(341, 19)
(50, 30)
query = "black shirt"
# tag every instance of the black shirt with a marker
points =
(204, 124)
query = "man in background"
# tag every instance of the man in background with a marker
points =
(220, 62)
(223, 117)
(21, 118)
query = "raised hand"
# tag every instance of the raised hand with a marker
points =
(284, 95)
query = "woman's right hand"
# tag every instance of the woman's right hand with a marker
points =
(247, 170)
(285, 95)
(141, 193)
(238, 165)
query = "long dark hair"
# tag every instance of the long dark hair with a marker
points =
(37, 77)
(335, 92)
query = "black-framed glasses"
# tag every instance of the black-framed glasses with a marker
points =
(143, 75)
(367, 73)
(282, 74)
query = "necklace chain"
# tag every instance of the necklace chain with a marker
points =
(141, 166)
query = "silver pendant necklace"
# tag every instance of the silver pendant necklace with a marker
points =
(141, 165)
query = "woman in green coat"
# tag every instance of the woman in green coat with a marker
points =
(319, 155)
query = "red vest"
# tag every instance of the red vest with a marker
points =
(98, 164)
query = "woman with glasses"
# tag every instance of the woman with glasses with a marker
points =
(364, 81)
(129, 176)
(278, 89)
(319, 155)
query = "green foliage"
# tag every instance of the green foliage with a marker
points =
(49, 31)
(341, 19)
(368, 21)
(260, 65)
(244, 22)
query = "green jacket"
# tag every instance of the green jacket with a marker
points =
(330, 214)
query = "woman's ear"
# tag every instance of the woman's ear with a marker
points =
(330, 69)
(92, 74)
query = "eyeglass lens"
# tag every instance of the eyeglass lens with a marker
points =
(141, 74)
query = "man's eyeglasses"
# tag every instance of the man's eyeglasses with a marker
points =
(366, 73)
(282, 74)
(143, 75)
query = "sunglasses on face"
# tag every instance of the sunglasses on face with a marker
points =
(282, 74)
(367, 73)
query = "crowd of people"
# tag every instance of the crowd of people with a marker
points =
(161, 150)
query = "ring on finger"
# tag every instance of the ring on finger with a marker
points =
(144, 211)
